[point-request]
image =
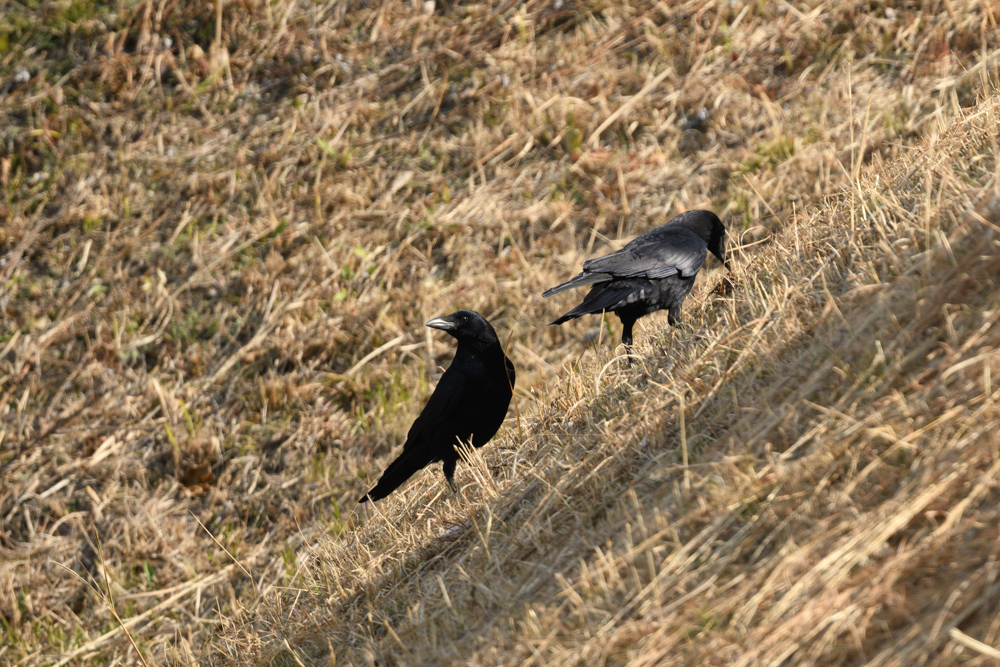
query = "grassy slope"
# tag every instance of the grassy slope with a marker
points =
(839, 506)
(204, 237)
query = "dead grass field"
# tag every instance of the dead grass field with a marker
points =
(220, 241)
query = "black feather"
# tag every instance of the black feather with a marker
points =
(653, 272)
(468, 405)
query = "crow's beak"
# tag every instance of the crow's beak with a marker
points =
(442, 323)
(728, 268)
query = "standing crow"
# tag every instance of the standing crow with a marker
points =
(469, 403)
(653, 272)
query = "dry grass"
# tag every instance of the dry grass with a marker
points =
(840, 506)
(219, 248)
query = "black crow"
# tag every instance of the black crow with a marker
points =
(653, 272)
(468, 404)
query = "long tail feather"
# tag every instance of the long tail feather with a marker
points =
(577, 281)
(397, 473)
(599, 299)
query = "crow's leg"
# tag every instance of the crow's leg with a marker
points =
(672, 317)
(449, 473)
(627, 323)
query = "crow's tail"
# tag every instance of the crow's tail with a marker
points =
(598, 300)
(578, 281)
(400, 470)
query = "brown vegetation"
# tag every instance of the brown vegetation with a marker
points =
(220, 241)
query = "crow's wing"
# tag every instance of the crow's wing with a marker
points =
(443, 406)
(664, 253)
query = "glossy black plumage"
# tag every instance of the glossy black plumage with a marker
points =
(469, 402)
(653, 272)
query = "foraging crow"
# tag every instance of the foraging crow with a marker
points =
(653, 272)
(469, 403)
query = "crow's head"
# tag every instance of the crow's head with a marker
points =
(467, 326)
(717, 239)
(708, 226)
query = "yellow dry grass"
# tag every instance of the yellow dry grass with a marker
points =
(221, 239)
(839, 507)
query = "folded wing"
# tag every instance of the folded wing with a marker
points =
(660, 254)
(665, 252)
(443, 405)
